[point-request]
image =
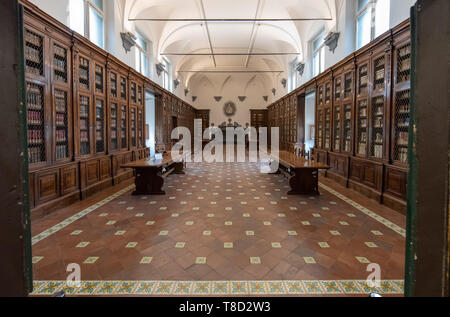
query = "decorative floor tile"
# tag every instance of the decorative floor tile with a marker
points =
(255, 260)
(294, 287)
(144, 288)
(183, 288)
(276, 245)
(76, 232)
(146, 260)
(228, 245)
(309, 260)
(306, 223)
(131, 245)
(206, 233)
(324, 245)
(36, 259)
(91, 260)
(126, 287)
(249, 233)
(200, 260)
(201, 288)
(292, 233)
(120, 233)
(220, 288)
(371, 245)
(82, 244)
(180, 245)
(238, 288)
(335, 233)
(163, 233)
(107, 288)
(362, 259)
(313, 287)
(88, 288)
(150, 223)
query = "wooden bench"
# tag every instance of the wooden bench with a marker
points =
(150, 174)
(303, 173)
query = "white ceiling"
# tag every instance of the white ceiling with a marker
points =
(230, 37)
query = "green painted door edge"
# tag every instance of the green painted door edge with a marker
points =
(26, 222)
(411, 214)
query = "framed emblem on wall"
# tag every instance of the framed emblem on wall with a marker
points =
(229, 109)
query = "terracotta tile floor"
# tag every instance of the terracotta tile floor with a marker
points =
(222, 222)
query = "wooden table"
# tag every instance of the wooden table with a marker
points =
(304, 174)
(150, 177)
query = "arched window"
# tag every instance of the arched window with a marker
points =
(167, 74)
(142, 51)
(87, 18)
(318, 46)
(372, 20)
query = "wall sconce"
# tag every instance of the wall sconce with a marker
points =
(128, 40)
(160, 68)
(300, 68)
(284, 82)
(218, 98)
(331, 40)
(266, 98)
(194, 98)
(274, 91)
(186, 91)
(176, 82)
(242, 98)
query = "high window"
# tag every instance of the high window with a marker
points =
(87, 18)
(372, 20)
(167, 75)
(318, 55)
(292, 82)
(142, 49)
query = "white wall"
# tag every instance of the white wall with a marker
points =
(58, 9)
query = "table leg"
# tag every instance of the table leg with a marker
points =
(304, 182)
(148, 182)
(179, 168)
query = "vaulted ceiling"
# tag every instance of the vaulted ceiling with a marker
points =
(197, 43)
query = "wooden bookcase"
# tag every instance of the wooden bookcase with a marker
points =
(362, 117)
(80, 102)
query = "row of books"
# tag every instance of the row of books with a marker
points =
(402, 138)
(35, 70)
(34, 97)
(32, 38)
(84, 136)
(60, 101)
(61, 136)
(34, 117)
(378, 151)
(61, 151)
(60, 120)
(34, 55)
(35, 137)
(35, 155)
(402, 154)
